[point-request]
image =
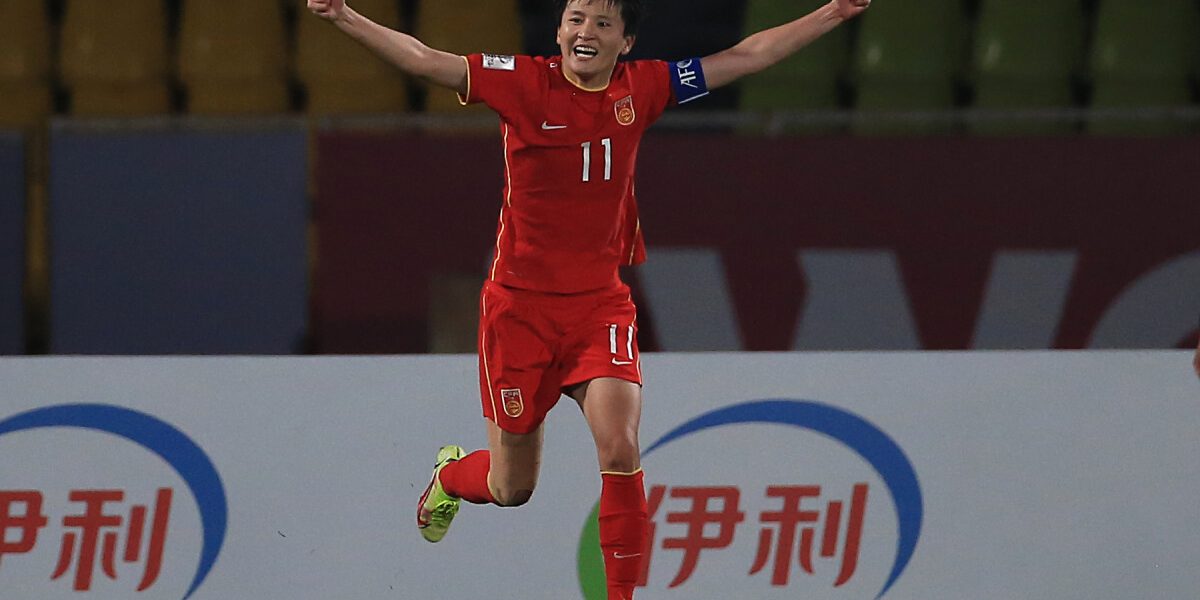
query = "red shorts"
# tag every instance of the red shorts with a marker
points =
(533, 345)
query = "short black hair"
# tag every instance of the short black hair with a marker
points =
(632, 12)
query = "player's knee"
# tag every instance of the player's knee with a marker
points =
(619, 456)
(512, 498)
(621, 465)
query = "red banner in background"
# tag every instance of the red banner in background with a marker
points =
(391, 211)
(787, 243)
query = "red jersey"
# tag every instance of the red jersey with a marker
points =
(569, 216)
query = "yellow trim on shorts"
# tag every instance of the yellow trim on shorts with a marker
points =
(487, 374)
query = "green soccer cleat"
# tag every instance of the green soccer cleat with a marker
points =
(437, 508)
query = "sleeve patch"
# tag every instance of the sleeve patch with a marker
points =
(499, 62)
(687, 79)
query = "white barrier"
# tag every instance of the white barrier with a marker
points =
(957, 475)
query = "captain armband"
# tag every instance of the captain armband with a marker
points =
(687, 79)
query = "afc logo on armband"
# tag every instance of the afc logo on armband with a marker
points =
(687, 74)
(687, 80)
(499, 62)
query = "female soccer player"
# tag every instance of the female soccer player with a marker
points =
(555, 317)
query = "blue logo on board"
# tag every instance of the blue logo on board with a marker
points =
(164, 440)
(867, 440)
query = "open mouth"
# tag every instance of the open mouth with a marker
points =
(585, 51)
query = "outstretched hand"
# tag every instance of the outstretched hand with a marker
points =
(328, 9)
(1196, 360)
(847, 9)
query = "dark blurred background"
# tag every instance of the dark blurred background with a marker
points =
(198, 177)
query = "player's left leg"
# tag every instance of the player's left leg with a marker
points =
(613, 409)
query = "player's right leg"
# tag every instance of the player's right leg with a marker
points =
(613, 410)
(610, 395)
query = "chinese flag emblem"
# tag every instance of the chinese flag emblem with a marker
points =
(624, 110)
(513, 404)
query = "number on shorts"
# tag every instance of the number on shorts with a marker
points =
(613, 345)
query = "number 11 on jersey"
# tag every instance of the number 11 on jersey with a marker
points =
(587, 159)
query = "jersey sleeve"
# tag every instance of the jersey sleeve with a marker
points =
(653, 78)
(504, 83)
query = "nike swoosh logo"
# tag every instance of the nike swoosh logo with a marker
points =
(619, 555)
(622, 362)
(548, 126)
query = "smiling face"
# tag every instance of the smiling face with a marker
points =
(591, 36)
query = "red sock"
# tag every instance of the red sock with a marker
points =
(623, 528)
(466, 478)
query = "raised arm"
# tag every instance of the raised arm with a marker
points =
(403, 51)
(770, 46)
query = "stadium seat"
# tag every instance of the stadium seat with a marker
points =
(908, 57)
(807, 80)
(233, 57)
(465, 27)
(24, 63)
(1026, 55)
(342, 77)
(114, 62)
(1144, 54)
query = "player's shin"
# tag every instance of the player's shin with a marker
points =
(467, 478)
(624, 524)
